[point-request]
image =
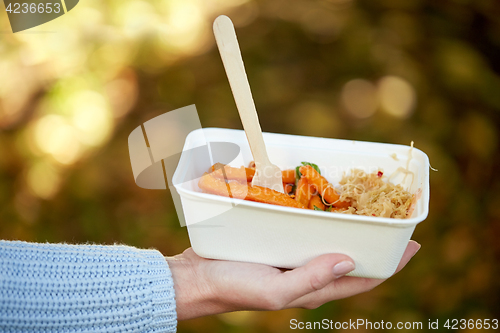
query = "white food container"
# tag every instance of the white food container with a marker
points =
(232, 229)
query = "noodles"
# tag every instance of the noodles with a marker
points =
(369, 195)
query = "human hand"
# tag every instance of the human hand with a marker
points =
(205, 286)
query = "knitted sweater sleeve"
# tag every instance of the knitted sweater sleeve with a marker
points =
(84, 288)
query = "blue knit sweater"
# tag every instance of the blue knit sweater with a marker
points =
(84, 288)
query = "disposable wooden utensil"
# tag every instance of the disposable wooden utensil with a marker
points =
(266, 174)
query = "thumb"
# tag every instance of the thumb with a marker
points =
(317, 274)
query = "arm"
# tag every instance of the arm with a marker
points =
(91, 287)
(59, 287)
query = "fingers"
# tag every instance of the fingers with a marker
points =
(348, 286)
(314, 276)
(411, 249)
(320, 281)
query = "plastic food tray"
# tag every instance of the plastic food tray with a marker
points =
(233, 229)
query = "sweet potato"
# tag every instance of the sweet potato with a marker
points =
(322, 186)
(316, 202)
(237, 190)
(245, 174)
(303, 192)
(241, 174)
(288, 176)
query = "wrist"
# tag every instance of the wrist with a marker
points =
(195, 296)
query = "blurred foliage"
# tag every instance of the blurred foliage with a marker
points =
(385, 70)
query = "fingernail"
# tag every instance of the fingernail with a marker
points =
(419, 246)
(342, 268)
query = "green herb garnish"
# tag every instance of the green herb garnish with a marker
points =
(297, 172)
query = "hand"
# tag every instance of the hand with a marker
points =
(205, 286)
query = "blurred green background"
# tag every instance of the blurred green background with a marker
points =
(391, 71)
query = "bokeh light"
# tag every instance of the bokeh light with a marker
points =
(397, 96)
(55, 136)
(92, 118)
(360, 98)
(43, 180)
